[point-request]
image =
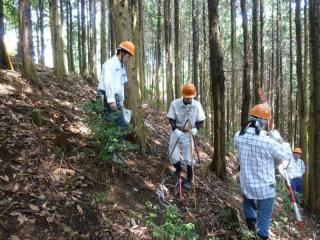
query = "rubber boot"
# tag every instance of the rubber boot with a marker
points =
(251, 223)
(178, 169)
(188, 184)
(259, 237)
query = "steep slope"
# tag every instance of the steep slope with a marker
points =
(54, 186)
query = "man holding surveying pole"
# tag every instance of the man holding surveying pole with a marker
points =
(186, 117)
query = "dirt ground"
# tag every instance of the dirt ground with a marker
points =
(53, 185)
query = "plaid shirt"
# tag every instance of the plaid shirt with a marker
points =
(257, 170)
(295, 168)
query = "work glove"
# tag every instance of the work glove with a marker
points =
(194, 131)
(178, 133)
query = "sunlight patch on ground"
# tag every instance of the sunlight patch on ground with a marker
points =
(6, 89)
(79, 128)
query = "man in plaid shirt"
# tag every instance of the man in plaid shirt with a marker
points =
(257, 152)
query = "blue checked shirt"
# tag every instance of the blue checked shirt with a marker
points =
(257, 170)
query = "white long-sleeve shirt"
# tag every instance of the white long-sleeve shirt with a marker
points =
(112, 79)
(295, 168)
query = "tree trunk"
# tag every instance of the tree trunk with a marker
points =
(79, 37)
(195, 44)
(278, 62)
(28, 67)
(314, 167)
(255, 51)
(129, 30)
(206, 84)
(301, 85)
(84, 69)
(3, 58)
(112, 42)
(261, 45)
(158, 54)
(168, 49)
(140, 65)
(291, 111)
(246, 67)
(233, 65)
(41, 26)
(177, 61)
(217, 79)
(56, 40)
(92, 64)
(103, 29)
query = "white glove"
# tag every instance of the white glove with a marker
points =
(194, 131)
(178, 133)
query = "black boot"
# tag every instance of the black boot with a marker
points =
(178, 169)
(251, 223)
(188, 183)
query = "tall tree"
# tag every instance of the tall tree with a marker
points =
(3, 61)
(84, 68)
(41, 26)
(177, 58)
(140, 64)
(103, 29)
(195, 44)
(69, 36)
(291, 125)
(92, 63)
(56, 39)
(314, 168)
(302, 103)
(158, 54)
(233, 63)
(79, 36)
(255, 51)
(246, 68)
(121, 14)
(112, 42)
(28, 67)
(261, 44)
(168, 50)
(217, 78)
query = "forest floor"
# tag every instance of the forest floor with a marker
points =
(53, 185)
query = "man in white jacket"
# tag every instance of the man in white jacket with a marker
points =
(113, 77)
(185, 115)
(111, 87)
(295, 170)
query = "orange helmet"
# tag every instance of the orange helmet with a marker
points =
(128, 46)
(260, 111)
(297, 150)
(189, 90)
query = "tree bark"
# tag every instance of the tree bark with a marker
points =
(79, 37)
(158, 54)
(41, 26)
(301, 85)
(103, 40)
(217, 78)
(261, 45)
(28, 67)
(168, 49)
(233, 65)
(178, 83)
(84, 69)
(56, 40)
(291, 111)
(246, 67)
(255, 43)
(195, 44)
(314, 180)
